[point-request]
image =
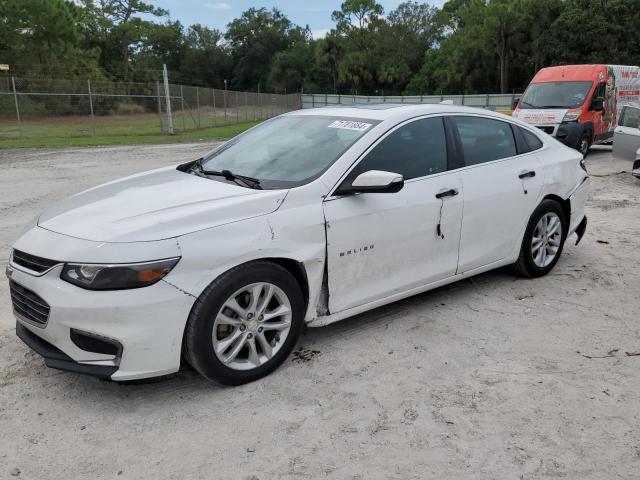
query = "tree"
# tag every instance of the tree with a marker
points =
(254, 39)
(42, 37)
(328, 55)
(116, 20)
(206, 58)
(357, 14)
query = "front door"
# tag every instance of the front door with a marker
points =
(626, 138)
(379, 244)
(502, 181)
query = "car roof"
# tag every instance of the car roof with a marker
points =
(388, 111)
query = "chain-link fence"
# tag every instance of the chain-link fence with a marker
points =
(489, 101)
(36, 107)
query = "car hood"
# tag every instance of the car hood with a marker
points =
(541, 116)
(156, 205)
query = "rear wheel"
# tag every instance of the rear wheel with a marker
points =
(543, 240)
(245, 323)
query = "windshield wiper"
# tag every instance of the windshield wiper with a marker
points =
(522, 102)
(228, 175)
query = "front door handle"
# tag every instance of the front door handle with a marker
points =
(527, 174)
(452, 192)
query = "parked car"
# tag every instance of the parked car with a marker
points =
(579, 104)
(626, 143)
(311, 217)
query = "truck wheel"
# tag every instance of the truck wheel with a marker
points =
(584, 144)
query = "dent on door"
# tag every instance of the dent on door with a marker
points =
(382, 244)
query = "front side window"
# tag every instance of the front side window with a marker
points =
(485, 139)
(288, 151)
(630, 117)
(414, 150)
(555, 95)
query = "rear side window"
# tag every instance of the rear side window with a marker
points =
(485, 139)
(414, 150)
(532, 142)
(630, 117)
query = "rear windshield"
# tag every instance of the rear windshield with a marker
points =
(288, 151)
(555, 95)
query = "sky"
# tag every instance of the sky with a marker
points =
(218, 13)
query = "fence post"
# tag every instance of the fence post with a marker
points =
(487, 101)
(246, 106)
(167, 94)
(184, 127)
(159, 104)
(93, 121)
(15, 97)
(215, 115)
(237, 108)
(198, 105)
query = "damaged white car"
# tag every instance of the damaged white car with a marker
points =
(308, 218)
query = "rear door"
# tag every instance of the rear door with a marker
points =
(502, 181)
(626, 137)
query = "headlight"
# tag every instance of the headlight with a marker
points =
(572, 115)
(118, 276)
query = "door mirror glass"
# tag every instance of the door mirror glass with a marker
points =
(375, 181)
(597, 104)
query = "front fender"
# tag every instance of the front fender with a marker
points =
(295, 233)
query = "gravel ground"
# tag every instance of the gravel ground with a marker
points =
(492, 377)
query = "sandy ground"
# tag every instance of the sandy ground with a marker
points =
(493, 377)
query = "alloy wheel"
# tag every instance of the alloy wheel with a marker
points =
(547, 237)
(252, 326)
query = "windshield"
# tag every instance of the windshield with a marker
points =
(555, 95)
(288, 151)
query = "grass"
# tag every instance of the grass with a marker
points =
(73, 131)
(212, 133)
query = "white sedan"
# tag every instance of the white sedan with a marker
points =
(309, 218)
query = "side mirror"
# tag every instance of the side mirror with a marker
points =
(597, 104)
(516, 101)
(374, 181)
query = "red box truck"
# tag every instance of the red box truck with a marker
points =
(579, 104)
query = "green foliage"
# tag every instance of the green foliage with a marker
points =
(466, 46)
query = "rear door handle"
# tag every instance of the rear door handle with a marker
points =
(527, 174)
(452, 192)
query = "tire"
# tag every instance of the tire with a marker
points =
(254, 337)
(584, 144)
(530, 262)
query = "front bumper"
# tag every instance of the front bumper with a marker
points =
(568, 133)
(146, 323)
(56, 358)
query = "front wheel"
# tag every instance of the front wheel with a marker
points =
(543, 240)
(245, 323)
(583, 145)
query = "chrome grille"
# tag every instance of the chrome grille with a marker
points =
(32, 262)
(28, 304)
